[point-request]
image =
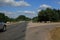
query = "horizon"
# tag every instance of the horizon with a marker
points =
(29, 8)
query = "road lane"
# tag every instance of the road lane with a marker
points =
(14, 32)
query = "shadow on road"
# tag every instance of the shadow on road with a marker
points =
(1, 31)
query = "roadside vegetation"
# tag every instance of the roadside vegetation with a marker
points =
(22, 18)
(52, 15)
(5, 18)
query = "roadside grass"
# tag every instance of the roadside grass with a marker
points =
(55, 33)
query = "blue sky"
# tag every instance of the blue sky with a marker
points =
(29, 8)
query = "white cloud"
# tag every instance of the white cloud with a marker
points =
(45, 6)
(9, 14)
(38, 10)
(58, 2)
(27, 12)
(17, 13)
(14, 3)
(6, 13)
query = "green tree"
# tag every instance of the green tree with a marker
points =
(48, 15)
(35, 19)
(58, 11)
(20, 18)
(27, 19)
(2, 17)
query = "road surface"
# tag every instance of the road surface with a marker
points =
(22, 31)
(14, 32)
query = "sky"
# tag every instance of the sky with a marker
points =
(29, 8)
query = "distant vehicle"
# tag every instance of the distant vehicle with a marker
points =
(2, 26)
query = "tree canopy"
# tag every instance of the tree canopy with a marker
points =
(49, 15)
(22, 18)
(3, 17)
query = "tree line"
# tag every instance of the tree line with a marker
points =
(4, 18)
(48, 14)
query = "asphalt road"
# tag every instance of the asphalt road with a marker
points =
(14, 32)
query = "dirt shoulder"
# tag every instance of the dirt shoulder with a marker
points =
(40, 31)
(30, 24)
(55, 33)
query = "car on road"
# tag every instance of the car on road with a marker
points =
(2, 26)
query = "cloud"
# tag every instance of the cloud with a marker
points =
(38, 10)
(12, 14)
(58, 2)
(14, 3)
(29, 12)
(45, 6)
(26, 12)
(17, 13)
(6, 13)
(9, 14)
